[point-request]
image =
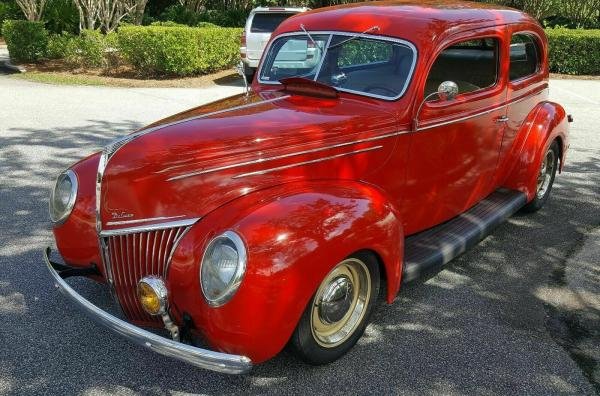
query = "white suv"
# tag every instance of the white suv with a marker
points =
(261, 22)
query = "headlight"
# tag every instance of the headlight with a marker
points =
(63, 195)
(222, 268)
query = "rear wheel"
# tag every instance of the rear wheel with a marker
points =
(545, 179)
(339, 311)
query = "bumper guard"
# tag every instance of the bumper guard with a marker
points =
(203, 358)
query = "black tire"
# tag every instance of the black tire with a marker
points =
(542, 195)
(249, 73)
(304, 342)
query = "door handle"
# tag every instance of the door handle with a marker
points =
(502, 119)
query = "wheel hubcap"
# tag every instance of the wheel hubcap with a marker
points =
(340, 303)
(546, 173)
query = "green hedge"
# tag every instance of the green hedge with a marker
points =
(27, 41)
(574, 51)
(9, 11)
(86, 50)
(178, 50)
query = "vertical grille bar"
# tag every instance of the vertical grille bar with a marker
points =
(133, 256)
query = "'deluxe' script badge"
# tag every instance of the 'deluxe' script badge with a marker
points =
(121, 215)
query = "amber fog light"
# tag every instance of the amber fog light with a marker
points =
(152, 294)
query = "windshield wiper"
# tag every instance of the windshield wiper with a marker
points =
(360, 35)
(310, 37)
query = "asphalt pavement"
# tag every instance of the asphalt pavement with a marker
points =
(516, 314)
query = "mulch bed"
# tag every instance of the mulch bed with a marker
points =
(126, 76)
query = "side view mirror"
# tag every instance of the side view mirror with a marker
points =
(446, 91)
(239, 68)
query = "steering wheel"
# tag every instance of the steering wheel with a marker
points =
(373, 87)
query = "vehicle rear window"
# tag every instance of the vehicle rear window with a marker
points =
(524, 56)
(268, 22)
(472, 65)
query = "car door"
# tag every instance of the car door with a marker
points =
(454, 150)
(527, 86)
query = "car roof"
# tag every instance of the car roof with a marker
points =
(416, 21)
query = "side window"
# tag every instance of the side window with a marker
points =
(472, 65)
(524, 56)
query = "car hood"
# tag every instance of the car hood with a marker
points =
(188, 165)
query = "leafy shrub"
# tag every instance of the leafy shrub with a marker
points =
(27, 41)
(9, 11)
(167, 24)
(219, 48)
(59, 45)
(574, 51)
(61, 16)
(86, 50)
(180, 15)
(226, 18)
(178, 50)
(221, 17)
(207, 25)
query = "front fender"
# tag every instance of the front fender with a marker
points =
(295, 234)
(77, 238)
(546, 123)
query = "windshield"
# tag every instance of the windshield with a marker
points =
(352, 63)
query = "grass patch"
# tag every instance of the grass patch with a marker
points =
(61, 79)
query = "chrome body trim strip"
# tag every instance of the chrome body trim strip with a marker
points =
(99, 176)
(150, 227)
(178, 237)
(262, 172)
(203, 358)
(408, 44)
(143, 220)
(460, 119)
(282, 156)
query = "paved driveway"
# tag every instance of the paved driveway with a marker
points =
(498, 320)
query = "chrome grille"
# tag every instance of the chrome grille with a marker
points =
(130, 257)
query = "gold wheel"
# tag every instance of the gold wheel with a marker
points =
(340, 303)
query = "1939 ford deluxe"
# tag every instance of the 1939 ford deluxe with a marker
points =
(378, 141)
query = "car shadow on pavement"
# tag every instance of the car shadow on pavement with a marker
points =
(232, 80)
(479, 326)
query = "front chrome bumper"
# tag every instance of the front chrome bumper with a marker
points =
(203, 358)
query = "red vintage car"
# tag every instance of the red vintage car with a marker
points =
(379, 141)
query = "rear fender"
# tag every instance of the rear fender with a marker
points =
(295, 234)
(546, 123)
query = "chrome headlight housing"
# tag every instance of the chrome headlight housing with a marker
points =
(222, 268)
(62, 197)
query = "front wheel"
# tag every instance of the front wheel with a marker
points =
(545, 179)
(339, 311)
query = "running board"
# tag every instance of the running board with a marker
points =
(432, 248)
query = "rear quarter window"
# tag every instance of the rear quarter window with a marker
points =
(525, 56)
(267, 22)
